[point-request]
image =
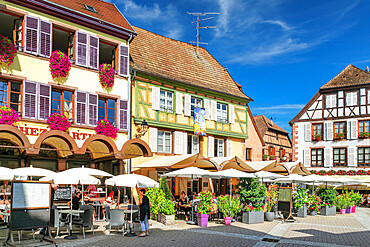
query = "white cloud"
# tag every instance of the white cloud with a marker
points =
(140, 11)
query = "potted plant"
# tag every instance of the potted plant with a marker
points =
(314, 204)
(272, 195)
(156, 197)
(339, 136)
(59, 65)
(8, 116)
(104, 127)
(106, 76)
(204, 207)
(317, 137)
(229, 206)
(252, 195)
(349, 200)
(7, 51)
(341, 203)
(328, 198)
(58, 121)
(357, 199)
(167, 210)
(300, 201)
(364, 135)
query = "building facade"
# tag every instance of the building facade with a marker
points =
(278, 145)
(332, 130)
(90, 33)
(254, 145)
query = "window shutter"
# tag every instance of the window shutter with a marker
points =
(93, 52)
(81, 49)
(31, 34)
(187, 109)
(329, 131)
(153, 138)
(354, 133)
(30, 99)
(44, 101)
(213, 110)
(229, 148)
(327, 160)
(349, 129)
(179, 103)
(93, 109)
(195, 144)
(155, 98)
(306, 159)
(123, 60)
(307, 132)
(184, 143)
(231, 114)
(81, 102)
(123, 115)
(178, 149)
(354, 98)
(211, 146)
(45, 38)
(351, 157)
(207, 106)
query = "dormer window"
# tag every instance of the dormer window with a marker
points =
(90, 8)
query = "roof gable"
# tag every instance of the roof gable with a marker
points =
(175, 60)
(264, 124)
(351, 75)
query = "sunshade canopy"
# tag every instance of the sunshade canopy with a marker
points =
(233, 162)
(232, 173)
(189, 172)
(267, 175)
(89, 171)
(132, 180)
(6, 173)
(292, 178)
(68, 178)
(32, 172)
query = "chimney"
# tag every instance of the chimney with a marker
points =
(272, 123)
(367, 68)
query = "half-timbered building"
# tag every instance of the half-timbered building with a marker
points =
(332, 130)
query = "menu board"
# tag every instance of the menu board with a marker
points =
(62, 194)
(30, 195)
(284, 194)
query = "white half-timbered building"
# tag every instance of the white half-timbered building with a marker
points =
(332, 130)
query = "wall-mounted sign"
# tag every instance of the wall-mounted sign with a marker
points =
(199, 121)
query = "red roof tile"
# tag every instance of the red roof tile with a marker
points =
(105, 11)
(263, 124)
(351, 75)
(161, 56)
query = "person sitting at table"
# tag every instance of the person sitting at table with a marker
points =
(5, 188)
(110, 203)
(90, 190)
(184, 205)
(75, 200)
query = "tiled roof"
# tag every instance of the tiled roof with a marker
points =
(263, 124)
(351, 75)
(105, 11)
(175, 60)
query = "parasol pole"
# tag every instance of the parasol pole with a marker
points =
(231, 184)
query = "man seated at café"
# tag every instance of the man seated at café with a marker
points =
(184, 205)
(75, 200)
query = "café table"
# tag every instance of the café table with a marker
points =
(71, 212)
(128, 217)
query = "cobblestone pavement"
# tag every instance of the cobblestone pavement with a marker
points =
(341, 230)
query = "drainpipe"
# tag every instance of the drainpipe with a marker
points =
(131, 78)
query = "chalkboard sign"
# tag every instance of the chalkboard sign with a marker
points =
(284, 194)
(62, 194)
(284, 206)
(29, 219)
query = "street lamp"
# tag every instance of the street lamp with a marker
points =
(142, 129)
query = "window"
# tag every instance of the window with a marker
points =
(331, 101)
(11, 27)
(317, 157)
(363, 127)
(62, 102)
(363, 158)
(107, 110)
(219, 148)
(10, 95)
(248, 154)
(317, 132)
(221, 113)
(194, 103)
(351, 98)
(271, 151)
(166, 101)
(90, 8)
(164, 141)
(340, 130)
(340, 156)
(63, 41)
(193, 144)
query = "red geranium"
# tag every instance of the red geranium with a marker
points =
(7, 51)
(106, 128)
(59, 64)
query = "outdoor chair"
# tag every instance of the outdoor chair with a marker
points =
(117, 219)
(86, 221)
(58, 220)
(107, 215)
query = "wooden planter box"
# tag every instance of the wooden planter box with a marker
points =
(168, 219)
(328, 211)
(302, 212)
(253, 217)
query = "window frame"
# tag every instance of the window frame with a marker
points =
(363, 164)
(345, 163)
(339, 128)
(106, 109)
(248, 154)
(218, 149)
(8, 94)
(194, 105)
(190, 146)
(62, 101)
(314, 127)
(219, 112)
(326, 101)
(317, 164)
(164, 141)
(352, 92)
(363, 123)
(166, 101)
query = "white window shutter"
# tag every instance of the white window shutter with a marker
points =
(44, 92)
(184, 143)
(349, 129)
(93, 60)
(155, 98)
(231, 114)
(213, 110)
(306, 158)
(207, 106)
(81, 48)
(307, 132)
(329, 131)
(30, 100)
(153, 139)
(327, 161)
(187, 109)
(351, 157)
(80, 107)
(31, 34)
(211, 146)
(354, 134)
(179, 105)
(45, 34)
(354, 98)
(229, 148)
(195, 144)
(178, 149)
(93, 109)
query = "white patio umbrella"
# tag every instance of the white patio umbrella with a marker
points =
(89, 171)
(267, 175)
(6, 173)
(292, 178)
(66, 178)
(32, 172)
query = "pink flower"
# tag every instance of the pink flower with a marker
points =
(59, 64)
(8, 116)
(58, 121)
(7, 51)
(106, 75)
(106, 128)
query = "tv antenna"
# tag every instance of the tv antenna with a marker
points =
(198, 21)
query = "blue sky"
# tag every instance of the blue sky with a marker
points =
(281, 52)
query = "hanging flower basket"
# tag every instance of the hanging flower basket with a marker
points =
(331, 172)
(106, 76)
(7, 51)
(8, 116)
(106, 128)
(59, 64)
(58, 121)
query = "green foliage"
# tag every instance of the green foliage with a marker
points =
(252, 192)
(167, 207)
(314, 203)
(300, 197)
(160, 198)
(328, 196)
(156, 197)
(342, 201)
(205, 202)
(164, 187)
(229, 205)
(356, 198)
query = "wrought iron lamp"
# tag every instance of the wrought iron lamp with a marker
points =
(142, 129)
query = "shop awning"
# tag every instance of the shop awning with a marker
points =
(179, 161)
(234, 162)
(296, 168)
(262, 165)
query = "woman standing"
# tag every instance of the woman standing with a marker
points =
(144, 213)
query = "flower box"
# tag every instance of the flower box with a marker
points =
(328, 211)
(317, 138)
(364, 135)
(339, 136)
(167, 219)
(253, 217)
(302, 212)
